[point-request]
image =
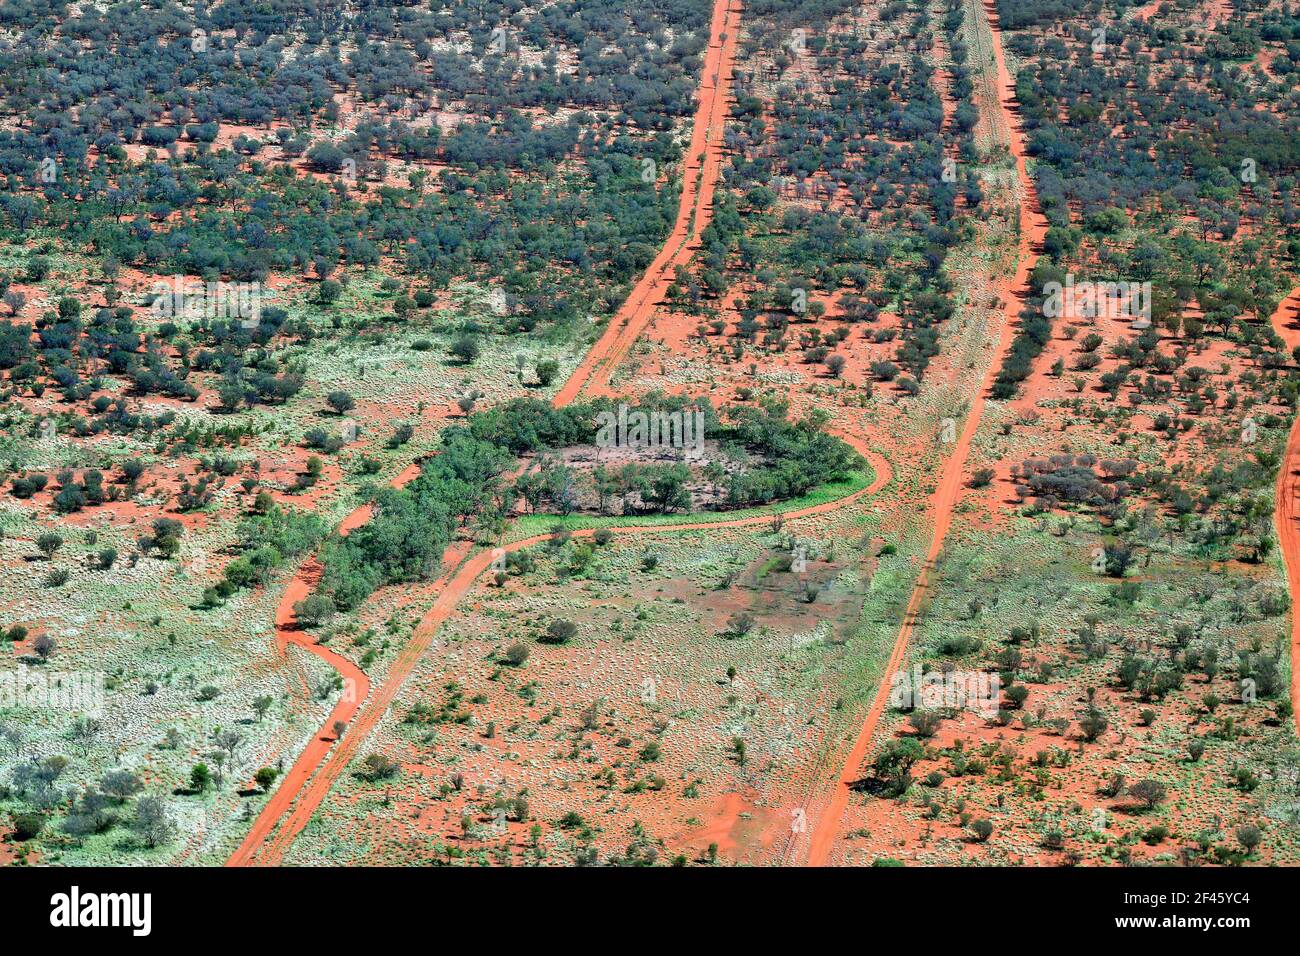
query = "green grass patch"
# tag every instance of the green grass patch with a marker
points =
(531, 525)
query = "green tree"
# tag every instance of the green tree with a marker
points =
(466, 348)
(547, 370)
(48, 543)
(261, 706)
(893, 764)
(340, 401)
(151, 823)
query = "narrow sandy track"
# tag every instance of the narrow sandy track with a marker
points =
(319, 765)
(1032, 228)
(1286, 515)
(355, 682)
(694, 211)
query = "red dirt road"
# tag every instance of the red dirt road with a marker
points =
(1286, 515)
(355, 682)
(694, 211)
(1033, 226)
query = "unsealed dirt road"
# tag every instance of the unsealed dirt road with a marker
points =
(260, 847)
(1286, 322)
(1033, 226)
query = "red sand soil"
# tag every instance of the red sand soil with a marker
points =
(258, 850)
(704, 161)
(304, 788)
(1033, 227)
(1286, 322)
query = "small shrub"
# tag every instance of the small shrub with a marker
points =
(1148, 792)
(380, 766)
(559, 631)
(28, 826)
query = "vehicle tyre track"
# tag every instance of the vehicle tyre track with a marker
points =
(1032, 228)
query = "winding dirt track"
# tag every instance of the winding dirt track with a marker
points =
(1033, 226)
(1286, 322)
(261, 848)
(304, 787)
(289, 810)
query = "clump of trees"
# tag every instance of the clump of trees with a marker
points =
(411, 527)
(1072, 479)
